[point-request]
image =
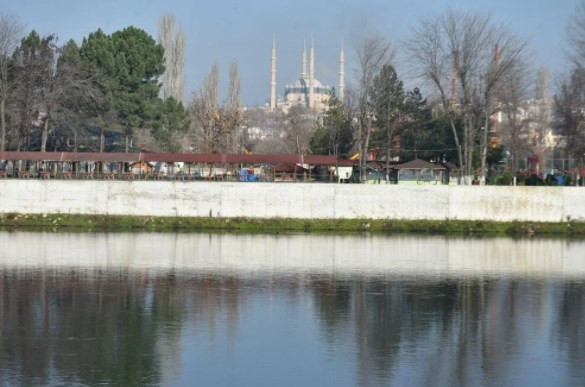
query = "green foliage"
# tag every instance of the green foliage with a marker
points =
(70, 54)
(495, 154)
(569, 180)
(388, 99)
(170, 117)
(92, 223)
(131, 61)
(334, 136)
(405, 125)
(320, 143)
(534, 180)
(424, 136)
(506, 178)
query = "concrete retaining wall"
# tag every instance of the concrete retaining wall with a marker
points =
(294, 200)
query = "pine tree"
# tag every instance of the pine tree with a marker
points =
(131, 62)
(334, 136)
(388, 99)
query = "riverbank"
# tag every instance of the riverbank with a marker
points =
(256, 225)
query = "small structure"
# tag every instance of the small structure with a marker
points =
(422, 172)
(292, 172)
(141, 168)
(379, 172)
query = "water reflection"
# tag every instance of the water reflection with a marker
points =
(298, 310)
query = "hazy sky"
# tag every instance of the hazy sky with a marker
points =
(226, 30)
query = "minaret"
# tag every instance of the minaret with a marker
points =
(341, 73)
(304, 75)
(311, 73)
(273, 73)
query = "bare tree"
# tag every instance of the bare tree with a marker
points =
(570, 101)
(541, 119)
(234, 92)
(205, 109)
(372, 54)
(10, 33)
(263, 131)
(576, 36)
(218, 124)
(232, 112)
(477, 53)
(67, 88)
(72, 96)
(32, 61)
(173, 79)
(570, 113)
(179, 65)
(298, 126)
(515, 109)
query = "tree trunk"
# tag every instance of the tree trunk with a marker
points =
(127, 144)
(2, 126)
(102, 140)
(469, 142)
(457, 144)
(465, 180)
(360, 151)
(484, 138)
(389, 135)
(364, 176)
(45, 135)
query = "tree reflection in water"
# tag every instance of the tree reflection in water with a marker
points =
(126, 327)
(130, 325)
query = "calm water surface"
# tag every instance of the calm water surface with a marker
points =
(198, 309)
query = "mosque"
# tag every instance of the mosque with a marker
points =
(307, 90)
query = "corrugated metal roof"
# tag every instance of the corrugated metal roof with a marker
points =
(419, 164)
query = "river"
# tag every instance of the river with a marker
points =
(266, 310)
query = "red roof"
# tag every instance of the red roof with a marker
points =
(171, 157)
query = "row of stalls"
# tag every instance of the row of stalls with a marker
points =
(158, 166)
(223, 167)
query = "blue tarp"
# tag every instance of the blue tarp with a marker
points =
(246, 175)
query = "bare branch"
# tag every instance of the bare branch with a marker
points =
(473, 54)
(10, 33)
(173, 79)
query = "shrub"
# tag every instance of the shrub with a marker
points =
(505, 179)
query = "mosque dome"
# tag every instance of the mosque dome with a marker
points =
(302, 86)
(305, 83)
(300, 83)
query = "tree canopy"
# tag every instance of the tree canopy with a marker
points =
(130, 62)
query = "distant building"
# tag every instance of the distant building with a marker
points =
(536, 132)
(307, 90)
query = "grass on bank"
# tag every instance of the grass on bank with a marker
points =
(253, 225)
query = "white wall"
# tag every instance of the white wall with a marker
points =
(293, 200)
